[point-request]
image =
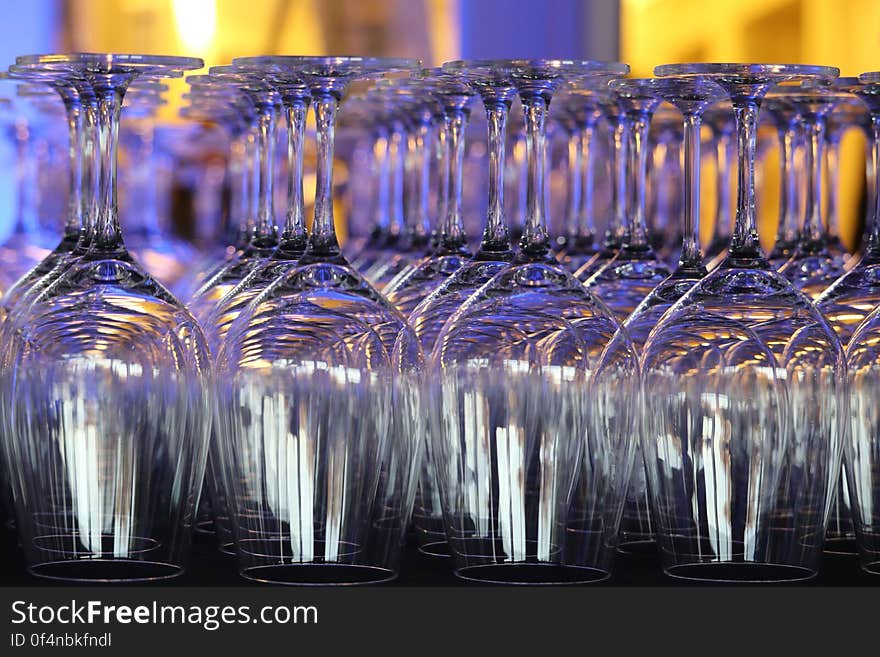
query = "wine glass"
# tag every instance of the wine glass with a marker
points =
(625, 280)
(525, 498)
(743, 409)
(106, 413)
(848, 301)
(319, 451)
(812, 267)
(492, 80)
(692, 96)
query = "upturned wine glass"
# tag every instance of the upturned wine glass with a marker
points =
(848, 301)
(319, 448)
(106, 398)
(692, 96)
(493, 82)
(529, 438)
(743, 412)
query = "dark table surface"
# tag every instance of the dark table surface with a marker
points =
(209, 567)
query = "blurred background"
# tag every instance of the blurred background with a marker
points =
(643, 33)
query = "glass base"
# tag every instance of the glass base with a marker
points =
(841, 546)
(739, 572)
(107, 571)
(205, 526)
(532, 574)
(436, 549)
(871, 567)
(314, 574)
(645, 548)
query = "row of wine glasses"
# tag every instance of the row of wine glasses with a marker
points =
(528, 406)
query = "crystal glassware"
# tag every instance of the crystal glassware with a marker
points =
(525, 499)
(743, 414)
(847, 302)
(106, 395)
(492, 80)
(691, 96)
(319, 449)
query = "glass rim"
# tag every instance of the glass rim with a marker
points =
(870, 77)
(711, 69)
(107, 62)
(355, 64)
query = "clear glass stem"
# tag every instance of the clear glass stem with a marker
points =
(636, 232)
(691, 256)
(107, 234)
(872, 248)
(745, 243)
(442, 157)
(813, 232)
(452, 235)
(617, 162)
(265, 230)
(723, 147)
(787, 185)
(417, 179)
(832, 170)
(294, 236)
(397, 156)
(90, 168)
(535, 239)
(381, 217)
(250, 179)
(586, 223)
(323, 240)
(424, 138)
(75, 148)
(575, 180)
(495, 235)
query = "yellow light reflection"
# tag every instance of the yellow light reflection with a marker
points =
(196, 22)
